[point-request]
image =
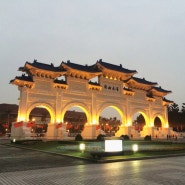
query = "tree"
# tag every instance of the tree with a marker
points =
(182, 123)
(173, 115)
(183, 108)
(174, 108)
(176, 117)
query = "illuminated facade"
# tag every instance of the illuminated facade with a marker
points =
(59, 88)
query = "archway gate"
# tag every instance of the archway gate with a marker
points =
(70, 84)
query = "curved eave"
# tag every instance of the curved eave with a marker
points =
(34, 71)
(80, 73)
(138, 83)
(159, 93)
(167, 102)
(114, 74)
(113, 67)
(22, 83)
(135, 85)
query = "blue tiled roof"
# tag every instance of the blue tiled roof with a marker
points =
(161, 90)
(24, 78)
(166, 100)
(143, 81)
(115, 67)
(86, 68)
(48, 67)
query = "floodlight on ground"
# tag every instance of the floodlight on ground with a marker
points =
(82, 147)
(14, 140)
(135, 147)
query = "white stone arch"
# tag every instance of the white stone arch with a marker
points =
(144, 114)
(48, 107)
(160, 117)
(81, 105)
(112, 105)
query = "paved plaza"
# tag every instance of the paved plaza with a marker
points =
(141, 172)
(19, 159)
(26, 167)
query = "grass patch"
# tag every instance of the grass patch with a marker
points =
(71, 148)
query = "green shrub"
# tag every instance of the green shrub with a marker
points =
(125, 137)
(78, 137)
(100, 137)
(147, 138)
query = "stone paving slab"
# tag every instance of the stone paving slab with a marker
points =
(18, 159)
(167, 171)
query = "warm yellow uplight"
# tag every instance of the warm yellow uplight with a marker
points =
(94, 122)
(58, 120)
(128, 123)
(135, 147)
(82, 147)
(166, 125)
(151, 124)
(21, 118)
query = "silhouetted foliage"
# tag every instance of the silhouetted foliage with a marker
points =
(100, 137)
(147, 138)
(125, 137)
(176, 117)
(78, 137)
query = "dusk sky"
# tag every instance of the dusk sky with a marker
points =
(143, 35)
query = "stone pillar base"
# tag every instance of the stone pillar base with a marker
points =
(147, 131)
(52, 132)
(123, 130)
(90, 132)
(21, 132)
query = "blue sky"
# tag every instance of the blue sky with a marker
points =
(143, 35)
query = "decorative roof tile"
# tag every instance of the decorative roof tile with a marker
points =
(48, 67)
(86, 68)
(159, 89)
(114, 67)
(23, 78)
(143, 81)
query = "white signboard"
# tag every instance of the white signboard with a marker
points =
(113, 146)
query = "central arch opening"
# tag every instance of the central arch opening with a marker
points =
(75, 119)
(110, 120)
